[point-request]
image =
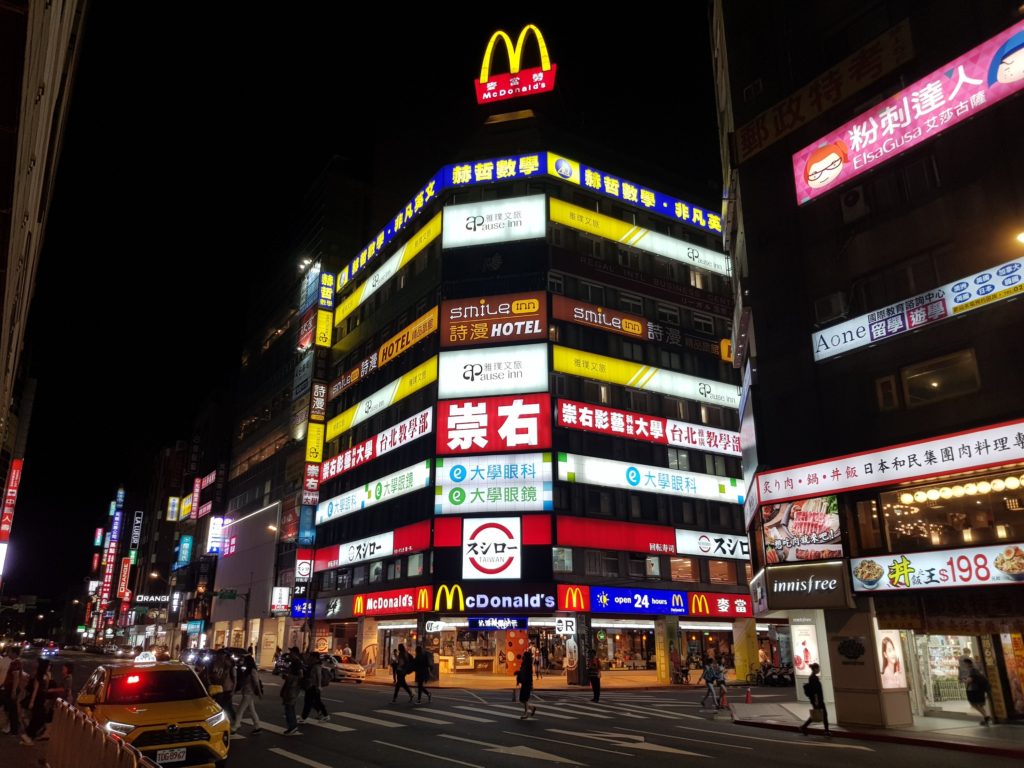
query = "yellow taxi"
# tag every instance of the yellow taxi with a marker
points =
(161, 709)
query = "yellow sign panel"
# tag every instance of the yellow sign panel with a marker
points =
(427, 234)
(563, 168)
(416, 331)
(314, 443)
(324, 327)
(416, 379)
(186, 506)
(602, 368)
(594, 223)
(725, 350)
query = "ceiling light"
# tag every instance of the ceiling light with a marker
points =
(906, 498)
(1012, 483)
(920, 496)
(946, 493)
(970, 489)
(998, 485)
(932, 494)
(958, 491)
(984, 487)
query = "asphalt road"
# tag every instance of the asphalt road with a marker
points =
(479, 729)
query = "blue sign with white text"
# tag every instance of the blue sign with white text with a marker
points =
(302, 609)
(646, 601)
(493, 623)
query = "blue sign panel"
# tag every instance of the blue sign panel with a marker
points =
(645, 601)
(194, 627)
(302, 609)
(184, 549)
(488, 623)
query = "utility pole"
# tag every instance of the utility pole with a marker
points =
(246, 596)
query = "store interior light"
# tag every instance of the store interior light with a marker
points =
(906, 498)
(984, 486)
(932, 494)
(920, 496)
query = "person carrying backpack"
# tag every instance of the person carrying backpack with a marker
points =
(223, 673)
(978, 687)
(709, 676)
(312, 680)
(402, 666)
(290, 691)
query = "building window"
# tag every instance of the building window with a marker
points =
(592, 562)
(887, 393)
(749, 571)
(414, 565)
(359, 574)
(711, 415)
(676, 408)
(703, 323)
(394, 570)
(637, 566)
(631, 303)
(610, 564)
(556, 283)
(595, 392)
(679, 458)
(722, 571)
(671, 360)
(635, 506)
(632, 351)
(637, 400)
(376, 572)
(652, 564)
(591, 292)
(714, 464)
(683, 569)
(344, 578)
(561, 559)
(328, 581)
(941, 378)
(599, 502)
(560, 384)
(697, 279)
(629, 259)
(689, 513)
(667, 314)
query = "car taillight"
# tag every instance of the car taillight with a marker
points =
(132, 679)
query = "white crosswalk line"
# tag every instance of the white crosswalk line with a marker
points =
(546, 711)
(490, 712)
(652, 712)
(368, 719)
(618, 712)
(272, 728)
(330, 726)
(411, 716)
(583, 711)
(460, 716)
(298, 758)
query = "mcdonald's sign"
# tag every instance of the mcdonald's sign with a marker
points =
(573, 597)
(516, 82)
(699, 604)
(423, 599)
(393, 601)
(359, 605)
(448, 594)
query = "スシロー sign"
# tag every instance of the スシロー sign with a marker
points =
(641, 477)
(489, 319)
(494, 424)
(493, 371)
(492, 548)
(974, 566)
(517, 82)
(494, 221)
(712, 544)
(401, 541)
(506, 483)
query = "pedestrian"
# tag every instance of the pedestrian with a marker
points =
(720, 685)
(11, 689)
(964, 667)
(251, 688)
(346, 654)
(311, 683)
(223, 673)
(709, 676)
(421, 665)
(537, 667)
(673, 657)
(290, 691)
(35, 703)
(816, 695)
(978, 687)
(394, 667)
(525, 679)
(401, 666)
(594, 673)
(67, 682)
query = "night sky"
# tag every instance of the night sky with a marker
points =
(191, 139)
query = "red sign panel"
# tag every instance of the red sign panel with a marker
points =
(394, 601)
(405, 540)
(10, 497)
(536, 531)
(197, 487)
(307, 330)
(516, 82)
(610, 534)
(719, 605)
(122, 579)
(404, 432)
(95, 561)
(490, 319)
(489, 424)
(573, 597)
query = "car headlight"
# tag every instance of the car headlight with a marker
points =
(122, 729)
(217, 719)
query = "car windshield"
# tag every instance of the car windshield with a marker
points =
(145, 687)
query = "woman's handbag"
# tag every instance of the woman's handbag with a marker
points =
(817, 715)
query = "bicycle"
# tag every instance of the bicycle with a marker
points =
(756, 675)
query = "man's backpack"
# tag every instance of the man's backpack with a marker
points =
(304, 679)
(807, 690)
(219, 670)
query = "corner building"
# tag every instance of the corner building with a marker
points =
(874, 217)
(530, 434)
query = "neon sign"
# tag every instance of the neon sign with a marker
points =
(516, 82)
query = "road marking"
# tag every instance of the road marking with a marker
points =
(411, 716)
(447, 713)
(826, 744)
(490, 712)
(272, 728)
(298, 758)
(368, 719)
(572, 744)
(428, 754)
(685, 738)
(581, 709)
(475, 696)
(546, 713)
(626, 740)
(616, 711)
(330, 726)
(520, 750)
(652, 712)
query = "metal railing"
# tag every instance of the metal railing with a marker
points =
(78, 741)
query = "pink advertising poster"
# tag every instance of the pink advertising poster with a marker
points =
(967, 85)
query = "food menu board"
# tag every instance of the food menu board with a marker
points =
(803, 530)
(1002, 564)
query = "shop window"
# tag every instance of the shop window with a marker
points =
(596, 392)
(556, 283)
(702, 322)
(561, 559)
(631, 303)
(683, 569)
(414, 565)
(376, 572)
(667, 314)
(941, 378)
(679, 458)
(359, 575)
(869, 530)
(722, 571)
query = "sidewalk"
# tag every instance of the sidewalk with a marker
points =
(946, 732)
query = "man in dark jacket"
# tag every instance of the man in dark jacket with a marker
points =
(816, 695)
(290, 692)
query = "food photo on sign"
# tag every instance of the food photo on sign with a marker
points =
(802, 530)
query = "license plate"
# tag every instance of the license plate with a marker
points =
(170, 755)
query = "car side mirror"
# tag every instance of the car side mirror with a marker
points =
(215, 690)
(86, 700)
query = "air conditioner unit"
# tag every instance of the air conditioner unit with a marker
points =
(830, 307)
(854, 205)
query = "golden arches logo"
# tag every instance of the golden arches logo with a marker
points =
(515, 52)
(423, 599)
(358, 605)
(677, 600)
(448, 594)
(699, 605)
(572, 598)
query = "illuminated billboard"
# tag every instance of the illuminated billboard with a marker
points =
(506, 483)
(493, 371)
(487, 424)
(641, 477)
(400, 434)
(494, 221)
(517, 82)
(375, 492)
(488, 319)
(402, 387)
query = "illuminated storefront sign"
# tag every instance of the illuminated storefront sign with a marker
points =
(573, 597)
(636, 600)
(97, 537)
(324, 327)
(1002, 282)
(173, 509)
(861, 68)
(401, 541)
(641, 477)
(419, 377)
(185, 507)
(494, 221)
(122, 580)
(611, 534)
(457, 598)
(136, 535)
(516, 82)
(197, 488)
(325, 300)
(280, 600)
(807, 585)
(506, 483)
(208, 480)
(314, 442)
(955, 92)
(488, 319)
(393, 601)
(204, 510)
(641, 426)
(405, 339)
(974, 566)
(639, 376)
(375, 492)
(400, 434)
(497, 623)
(307, 329)
(185, 549)
(972, 449)
(719, 605)
(427, 234)
(143, 599)
(492, 548)
(802, 530)
(493, 371)
(712, 544)
(302, 609)
(619, 231)
(318, 401)
(494, 424)
(215, 535)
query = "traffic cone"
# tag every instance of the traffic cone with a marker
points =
(724, 701)
(749, 699)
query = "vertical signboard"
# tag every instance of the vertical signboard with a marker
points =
(7, 511)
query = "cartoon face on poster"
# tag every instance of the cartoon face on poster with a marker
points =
(890, 659)
(805, 648)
